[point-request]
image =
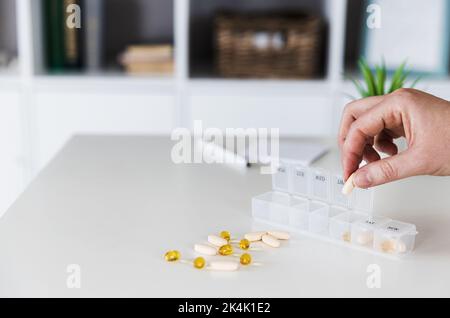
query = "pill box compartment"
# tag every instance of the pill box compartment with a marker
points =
(299, 176)
(341, 224)
(363, 230)
(320, 185)
(281, 176)
(395, 238)
(279, 208)
(337, 197)
(320, 216)
(299, 214)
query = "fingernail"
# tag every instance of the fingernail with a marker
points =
(363, 180)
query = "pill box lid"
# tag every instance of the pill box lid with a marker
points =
(399, 228)
(319, 184)
(373, 221)
(319, 180)
(362, 200)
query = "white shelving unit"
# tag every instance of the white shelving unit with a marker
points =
(40, 112)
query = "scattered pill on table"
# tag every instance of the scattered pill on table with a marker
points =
(254, 236)
(280, 235)
(270, 240)
(244, 244)
(172, 256)
(217, 240)
(226, 250)
(227, 266)
(205, 249)
(199, 262)
(225, 235)
(245, 259)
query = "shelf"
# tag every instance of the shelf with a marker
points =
(354, 21)
(8, 35)
(201, 26)
(122, 23)
(107, 82)
(249, 87)
(136, 22)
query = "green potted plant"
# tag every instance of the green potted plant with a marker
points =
(376, 82)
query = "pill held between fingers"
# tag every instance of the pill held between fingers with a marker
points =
(270, 240)
(349, 185)
(217, 240)
(227, 266)
(205, 249)
(280, 235)
(254, 236)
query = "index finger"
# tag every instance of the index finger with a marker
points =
(367, 126)
(353, 111)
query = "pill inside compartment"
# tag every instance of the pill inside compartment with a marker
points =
(275, 207)
(395, 237)
(363, 230)
(341, 224)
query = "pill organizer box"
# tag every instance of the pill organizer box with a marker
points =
(309, 201)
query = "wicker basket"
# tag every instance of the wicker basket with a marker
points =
(278, 45)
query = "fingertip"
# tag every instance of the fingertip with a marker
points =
(362, 179)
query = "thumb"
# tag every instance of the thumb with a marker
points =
(386, 170)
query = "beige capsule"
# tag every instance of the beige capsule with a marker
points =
(217, 240)
(349, 185)
(364, 239)
(254, 236)
(227, 266)
(205, 249)
(270, 240)
(280, 235)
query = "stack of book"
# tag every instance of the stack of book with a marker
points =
(70, 46)
(148, 59)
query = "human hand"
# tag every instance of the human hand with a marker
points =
(371, 124)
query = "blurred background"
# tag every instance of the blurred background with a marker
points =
(148, 66)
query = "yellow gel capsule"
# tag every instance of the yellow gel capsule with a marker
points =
(245, 259)
(225, 235)
(172, 256)
(226, 250)
(244, 244)
(199, 262)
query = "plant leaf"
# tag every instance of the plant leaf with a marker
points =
(397, 78)
(359, 88)
(368, 77)
(413, 85)
(381, 79)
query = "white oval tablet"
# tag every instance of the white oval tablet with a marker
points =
(364, 239)
(270, 240)
(224, 266)
(205, 249)
(400, 247)
(217, 240)
(349, 185)
(280, 235)
(254, 236)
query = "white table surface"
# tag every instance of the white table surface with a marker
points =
(114, 205)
